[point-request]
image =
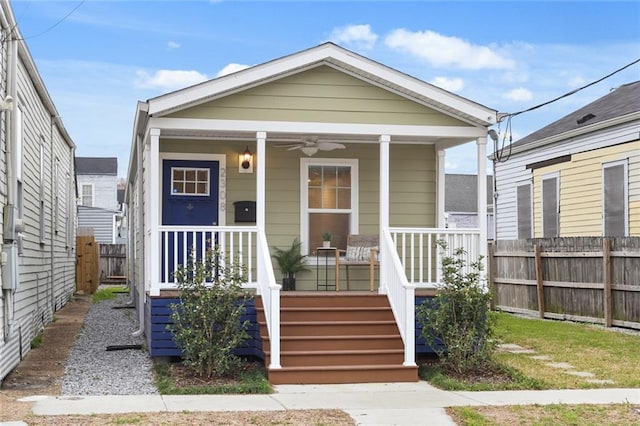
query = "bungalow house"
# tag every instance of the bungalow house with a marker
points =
(321, 140)
(99, 212)
(578, 176)
(37, 187)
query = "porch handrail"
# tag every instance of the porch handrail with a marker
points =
(401, 295)
(269, 291)
(420, 255)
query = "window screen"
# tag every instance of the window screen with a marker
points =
(550, 207)
(614, 201)
(524, 211)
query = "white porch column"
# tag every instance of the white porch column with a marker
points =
(153, 251)
(260, 168)
(440, 211)
(384, 201)
(481, 144)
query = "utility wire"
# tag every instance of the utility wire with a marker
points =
(60, 21)
(501, 156)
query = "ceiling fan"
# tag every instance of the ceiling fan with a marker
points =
(312, 145)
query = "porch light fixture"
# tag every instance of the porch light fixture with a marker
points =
(245, 162)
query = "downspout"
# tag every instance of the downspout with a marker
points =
(9, 249)
(140, 225)
(51, 219)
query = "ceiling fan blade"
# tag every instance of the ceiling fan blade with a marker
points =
(329, 146)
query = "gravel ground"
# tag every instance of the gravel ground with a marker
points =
(92, 370)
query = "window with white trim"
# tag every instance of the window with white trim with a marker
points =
(41, 197)
(190, 181)
(329, 201)
(615, 208)
(523, 208)
(551, 205)
(87, 195)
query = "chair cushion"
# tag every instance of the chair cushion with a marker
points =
(359, 254)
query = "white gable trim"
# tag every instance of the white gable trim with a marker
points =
(338, 58)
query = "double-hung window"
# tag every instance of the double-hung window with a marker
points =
(614, 199)
(87, 195)
(329, 201)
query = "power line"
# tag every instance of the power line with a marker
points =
(60, 21)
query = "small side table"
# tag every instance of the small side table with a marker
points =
(327, 252)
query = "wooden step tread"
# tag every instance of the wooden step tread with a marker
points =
(333, 308)
(337, 337)
(339, 322)
(347, 367)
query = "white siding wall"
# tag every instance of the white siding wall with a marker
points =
(513, 172)
(105, 192)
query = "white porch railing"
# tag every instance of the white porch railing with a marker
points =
(244, 246)
(410, 259)
(401, 295)
(420, 254)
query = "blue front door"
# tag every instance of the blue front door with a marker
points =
(189, 198)
(189, 192)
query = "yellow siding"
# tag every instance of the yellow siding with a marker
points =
(322, 94)
(581, 191)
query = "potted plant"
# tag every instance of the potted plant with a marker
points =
(326, 239)
(290, 261)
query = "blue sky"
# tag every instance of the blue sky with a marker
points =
(106, 55)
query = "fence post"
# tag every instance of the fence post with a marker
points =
(492, 274)
(606, 280)
(539, 282)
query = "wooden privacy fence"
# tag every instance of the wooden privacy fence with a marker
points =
(589, 279)
(87, 264)
(113, 263)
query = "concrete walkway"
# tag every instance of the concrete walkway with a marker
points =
(368, 404)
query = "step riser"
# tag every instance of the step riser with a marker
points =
(328, 376)
(321, 360)
(335, 344)
(343, 329)
(333, 301)
(333, 315)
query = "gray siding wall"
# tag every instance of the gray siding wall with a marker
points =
(46, 266)
(513, 172)
(100, 221)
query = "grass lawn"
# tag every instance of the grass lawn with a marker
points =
(607, 354)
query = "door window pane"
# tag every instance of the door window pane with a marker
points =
(190, 181)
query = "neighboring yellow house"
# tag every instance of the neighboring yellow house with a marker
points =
(321, 140)
(579, 176)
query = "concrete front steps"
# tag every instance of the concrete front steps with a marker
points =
(330, 337)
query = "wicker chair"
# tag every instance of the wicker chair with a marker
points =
(362, 250)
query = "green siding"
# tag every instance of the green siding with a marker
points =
(322, 94)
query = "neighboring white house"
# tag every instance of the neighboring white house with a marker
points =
(578, 176)
(99, 211)
(37, 187)
(461, 202)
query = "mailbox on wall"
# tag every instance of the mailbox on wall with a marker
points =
(245, 211)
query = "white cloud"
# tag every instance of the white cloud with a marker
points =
(168, 79)
(519, 94)
(577, 81)
(359, 36)
(443, 51)
(231, 68)
(173, 45)
(450, 84)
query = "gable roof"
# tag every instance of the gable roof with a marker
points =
(97, 166)
(461, 193)
(339, 58)
(621, 102)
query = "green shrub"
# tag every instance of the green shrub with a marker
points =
(207, 322)
(456, 323)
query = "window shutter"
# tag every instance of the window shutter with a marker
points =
(614, 202)
(524, 211)
(550, 207)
